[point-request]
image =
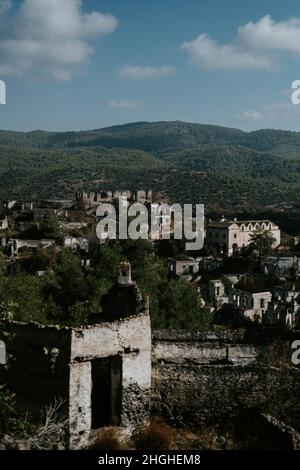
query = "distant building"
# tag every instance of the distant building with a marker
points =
(281, 266)
(17, 244)
(186, 269)
(20, 206)
(73, 225)
(8, 205)
(87, 200)
(284, 309)
(216, 293)
(3, 222)
(251, 299)
(229, 236)
(76, 243)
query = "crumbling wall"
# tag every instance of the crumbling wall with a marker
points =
(196, 377)
(39, 370)
(213, 376)
(52, 362)
(130, 340)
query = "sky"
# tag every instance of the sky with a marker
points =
(72, 64)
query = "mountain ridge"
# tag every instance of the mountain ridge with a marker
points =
(159, 136)
(188, 162)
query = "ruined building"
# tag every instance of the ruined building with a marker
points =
(101, 371)
(229, 236)
(87, 200)
(251, 299)
(107, 374)
(3, 222)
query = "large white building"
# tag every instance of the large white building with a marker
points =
(229, 236)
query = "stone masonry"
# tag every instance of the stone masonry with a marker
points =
(102, 371)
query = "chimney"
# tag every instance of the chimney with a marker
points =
(124, 274)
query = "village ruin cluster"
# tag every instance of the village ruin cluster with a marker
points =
(116, 369)
(267, 293)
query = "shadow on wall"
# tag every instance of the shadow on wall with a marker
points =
(253, 430)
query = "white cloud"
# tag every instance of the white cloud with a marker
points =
(269, 35)
(51, 38)
(256, 45)
(139, 73)
(123, 104)
(208, 54)
(251, 115)
(280, 110)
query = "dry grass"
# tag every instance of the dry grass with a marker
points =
(52, 433)
(153, 436)
(108, 439)
(278, 354)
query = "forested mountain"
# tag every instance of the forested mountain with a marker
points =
(211, 164)
(160, 136)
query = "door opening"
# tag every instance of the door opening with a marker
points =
(106, 391)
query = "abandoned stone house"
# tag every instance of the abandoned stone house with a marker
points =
(16, 245)
(114, 372)
(215, 293)
(279, 306)
(76, 243)
(229, 236)
(281, 267)
(3, 222)
(102, 371)
(73, 225)
(284, 309)
(87, 200)
(252, 300)
(186, 269)
(9, 205)
(283, 314)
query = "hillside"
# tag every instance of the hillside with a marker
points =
(190, 162)
(160, 137)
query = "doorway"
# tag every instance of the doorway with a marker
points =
(106, 391)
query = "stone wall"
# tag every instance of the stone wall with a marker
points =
(130, 341)
(197, 378)
(214, 376)
(39, 372)
(93, 369)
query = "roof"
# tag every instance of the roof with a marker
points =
(220, 224)
(254, 285)
(227, 223)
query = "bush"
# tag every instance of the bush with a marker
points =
(107, 439)
(154, 436)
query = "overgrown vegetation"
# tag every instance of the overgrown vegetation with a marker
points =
(69, 294)
(154, 436)
(108, 439)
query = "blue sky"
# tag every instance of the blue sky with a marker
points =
(72, 65)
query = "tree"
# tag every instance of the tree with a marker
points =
(23, 294)
(106, 259)
(137, 251)
(40, 260)
(68, 283)
(262, 243)
(49, 227)
(3, 264)
(180, 306)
